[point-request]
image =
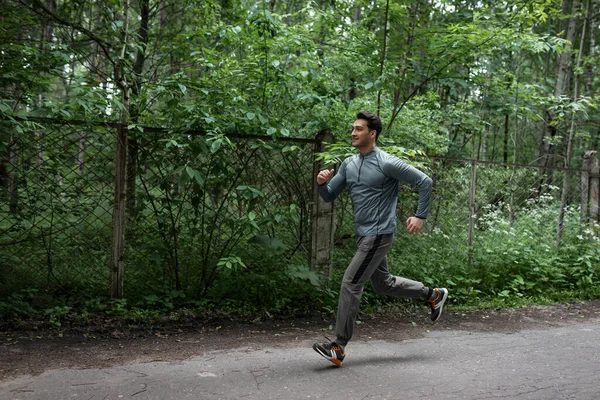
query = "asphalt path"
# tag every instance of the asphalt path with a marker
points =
(555, 363)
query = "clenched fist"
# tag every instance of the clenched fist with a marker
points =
(414, 224)
(324, 176)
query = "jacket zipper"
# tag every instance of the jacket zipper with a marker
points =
(362, 159)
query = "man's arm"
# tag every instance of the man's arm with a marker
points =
(406, 173)
(329, 191)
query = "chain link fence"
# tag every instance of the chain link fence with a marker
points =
(208, 207)
(55, 208)
(202, 208)
(474, 201)
(489, 226)
(198, 208)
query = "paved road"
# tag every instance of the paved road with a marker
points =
(558, 363)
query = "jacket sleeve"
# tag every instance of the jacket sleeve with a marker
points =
(331, 190)
(398, 169)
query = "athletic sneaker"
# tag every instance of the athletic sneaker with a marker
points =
(331, 351)
(437, 302)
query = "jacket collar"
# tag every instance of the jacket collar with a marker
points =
(370, 153)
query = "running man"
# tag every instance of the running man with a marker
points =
(372, 177)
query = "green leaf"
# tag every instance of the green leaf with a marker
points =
(190, 171)
(271, 131)
(268, 243)
(269, 16)
(193, 174)
(198, 177)
(304, 273)
(369, 85)
(250, 116)
(216, 145)
(184, 179)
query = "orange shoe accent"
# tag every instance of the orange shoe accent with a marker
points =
(336, 361)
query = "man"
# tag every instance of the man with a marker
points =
(372, 177)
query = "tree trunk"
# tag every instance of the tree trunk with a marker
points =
(117, 266)
(562, 68)
(134, 110)
(589, 73)
(590, 160)
(402, 69)
(506, 134)
(48, 27)
(383, 52)
(484, 141)
(565, 188)
(589, 88)
(546, 158)
(46, 35)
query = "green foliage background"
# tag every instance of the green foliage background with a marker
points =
(222, 223)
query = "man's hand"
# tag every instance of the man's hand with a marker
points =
(324, 176)
(414, 224)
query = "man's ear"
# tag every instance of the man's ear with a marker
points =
(373, 134)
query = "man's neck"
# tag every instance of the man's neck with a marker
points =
(367, 149)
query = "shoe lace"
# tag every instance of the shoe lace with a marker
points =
(437, 297)
(332, 345)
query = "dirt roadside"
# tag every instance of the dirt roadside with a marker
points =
(33, 351)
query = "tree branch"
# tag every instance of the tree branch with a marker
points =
(383, 50)
(41, 10)
(442, 68)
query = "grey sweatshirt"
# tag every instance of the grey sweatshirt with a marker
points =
(373, 181)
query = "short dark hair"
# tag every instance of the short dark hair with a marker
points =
(373, 121)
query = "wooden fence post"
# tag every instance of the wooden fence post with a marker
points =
(594, 188)
(590, 182)
(322, 218)
(585, 189)
(117, 268)
(472, 211)
(13, 177)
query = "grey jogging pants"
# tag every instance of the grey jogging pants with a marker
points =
(370, 263)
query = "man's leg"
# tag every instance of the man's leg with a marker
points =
(371, 251)
(370, 259)
(386, 283)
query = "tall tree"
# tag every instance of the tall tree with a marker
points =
(547, 147)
